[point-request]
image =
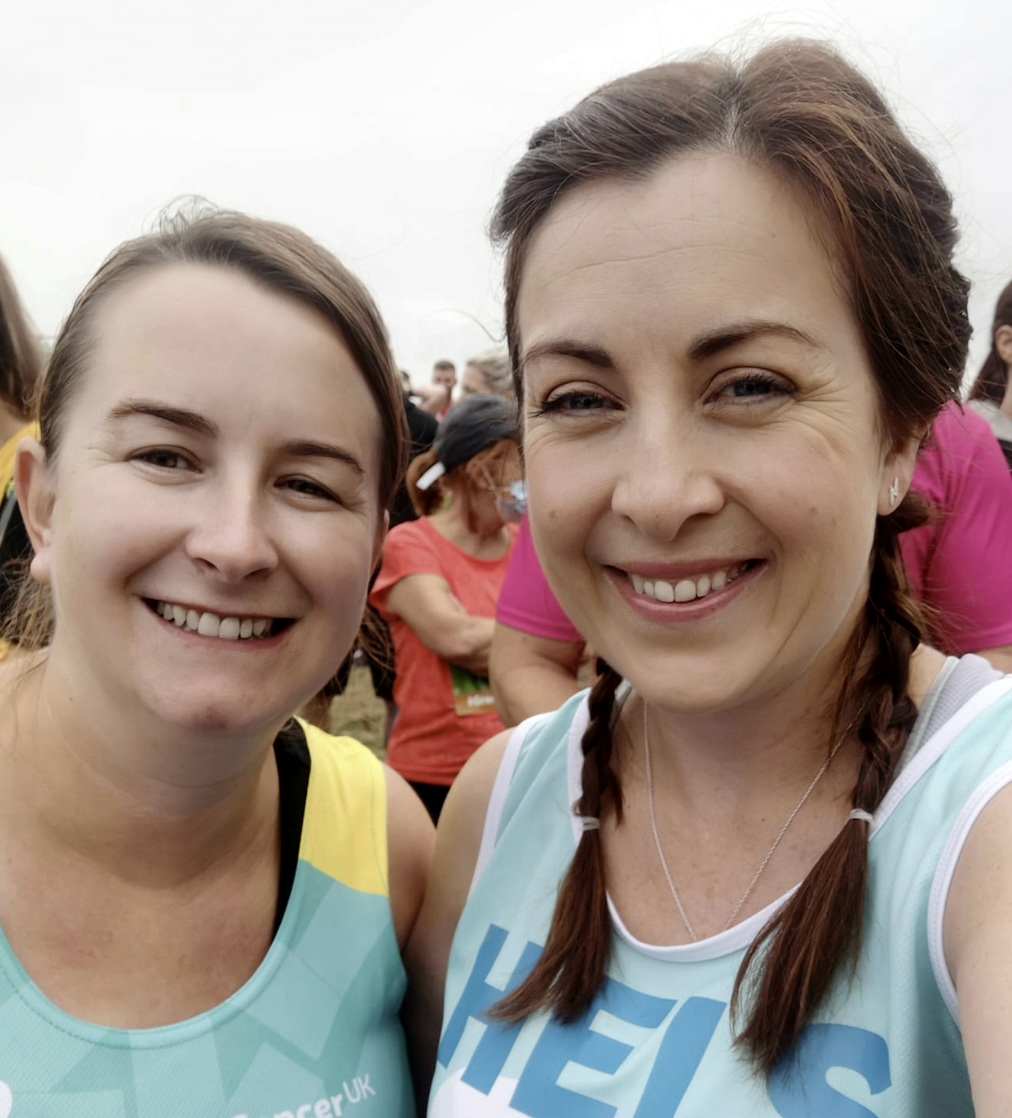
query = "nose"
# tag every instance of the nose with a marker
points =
(232, 535)
(669, 475)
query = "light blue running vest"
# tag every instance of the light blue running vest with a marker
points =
(657, 1041)
(314, 1033)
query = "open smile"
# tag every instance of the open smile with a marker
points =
(688, 589)
(207, 624)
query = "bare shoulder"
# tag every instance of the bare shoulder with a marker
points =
(410, 841)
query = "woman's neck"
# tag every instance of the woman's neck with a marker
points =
(123, 797)
(458, 523)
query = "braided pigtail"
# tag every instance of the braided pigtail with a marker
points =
(572, 966)
(790, 967)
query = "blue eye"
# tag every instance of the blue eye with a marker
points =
(573, 402)
(755, 386)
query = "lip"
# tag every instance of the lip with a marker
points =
(675, 612)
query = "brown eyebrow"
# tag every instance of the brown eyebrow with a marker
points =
(178, 417)
(727, 336)
(563, 347)
(705, 346)
(192, 421)
(306, 448)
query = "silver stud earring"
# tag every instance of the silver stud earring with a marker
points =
(894, 491)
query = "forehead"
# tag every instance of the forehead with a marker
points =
(706, 235)
(212, 340)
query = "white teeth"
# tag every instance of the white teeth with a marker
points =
(663, 591)
(229, 629)
(208, 625)
(211, 625)
(685, 589)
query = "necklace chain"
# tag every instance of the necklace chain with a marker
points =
(769, 853)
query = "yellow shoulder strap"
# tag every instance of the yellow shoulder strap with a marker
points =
(344, 830)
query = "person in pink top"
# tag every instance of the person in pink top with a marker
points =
(961, 472)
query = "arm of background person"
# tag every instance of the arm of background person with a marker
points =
(965, 573)
(428, 605)
(977, 932)
(432, 398)
(428, 951)
(411, 839)
(531, 674)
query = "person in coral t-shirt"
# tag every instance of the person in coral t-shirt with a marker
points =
(437, 589)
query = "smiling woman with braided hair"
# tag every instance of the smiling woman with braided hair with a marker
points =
(751, 873)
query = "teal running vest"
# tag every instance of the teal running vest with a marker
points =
(314, 1033)
(657, 1041)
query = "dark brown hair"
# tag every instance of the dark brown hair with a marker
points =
(800, 110)
(992, 380)
(20, 352)
(274, 256)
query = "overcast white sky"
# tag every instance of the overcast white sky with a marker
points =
(384, 129)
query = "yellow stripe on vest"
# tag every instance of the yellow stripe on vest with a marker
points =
(344, 831)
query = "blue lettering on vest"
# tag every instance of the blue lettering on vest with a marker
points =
(476, 999)
(798, 1087)
(681, 1051)
(538, 1093)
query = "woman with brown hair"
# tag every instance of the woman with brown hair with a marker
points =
(753, 871)
(991, 394)
(202, 899)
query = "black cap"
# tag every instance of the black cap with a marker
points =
(473, 425)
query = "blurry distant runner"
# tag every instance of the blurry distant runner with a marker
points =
(991, 394)
(754, 872)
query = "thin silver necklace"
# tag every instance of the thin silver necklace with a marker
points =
(769, 853)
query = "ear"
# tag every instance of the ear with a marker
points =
(898, 471)
(1003, 343)
(34, 484)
